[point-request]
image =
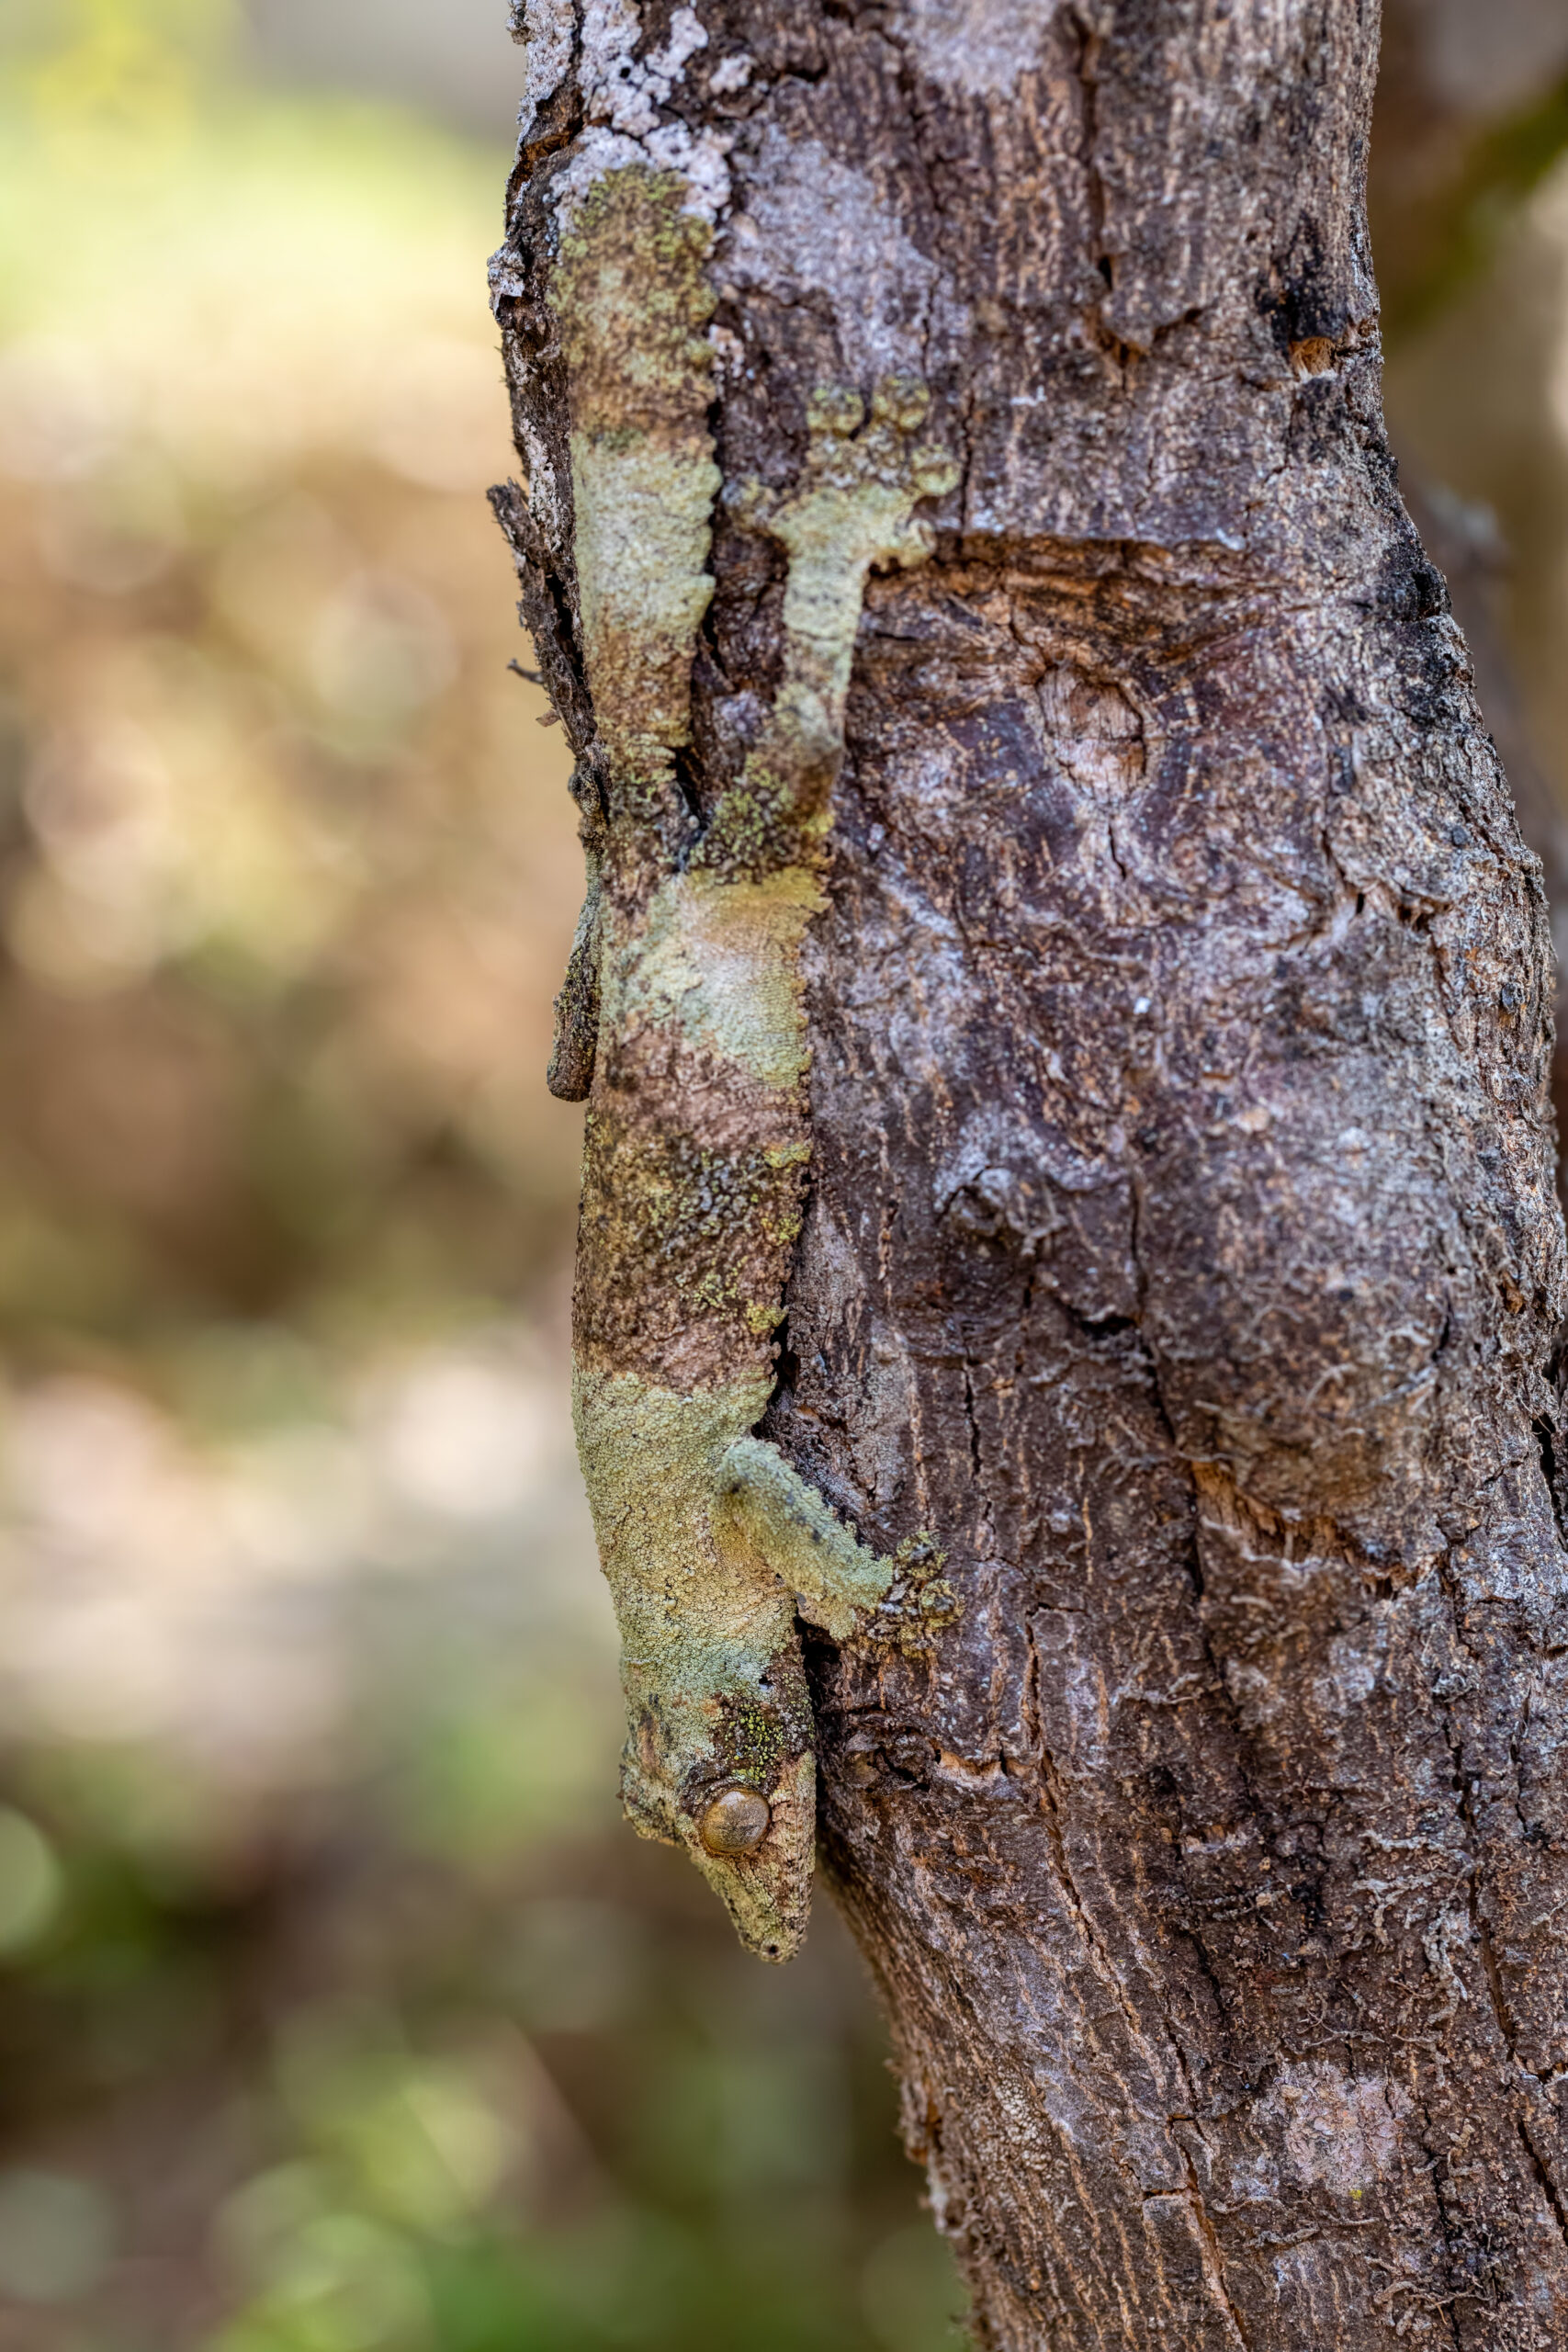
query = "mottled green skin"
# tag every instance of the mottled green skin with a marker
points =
(711, 1543)
(688, 961)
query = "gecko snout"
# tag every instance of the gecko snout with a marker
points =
(734, 1822)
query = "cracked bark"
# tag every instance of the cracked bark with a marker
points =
(1181, 1242)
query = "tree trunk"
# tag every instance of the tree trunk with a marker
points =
(1180, 1250)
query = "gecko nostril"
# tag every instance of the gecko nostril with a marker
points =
(734, 1822)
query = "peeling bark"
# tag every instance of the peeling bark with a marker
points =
(1180, 1243)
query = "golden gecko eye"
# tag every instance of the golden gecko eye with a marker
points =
(734, 1822)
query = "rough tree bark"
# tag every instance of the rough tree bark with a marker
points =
(1179, 1248)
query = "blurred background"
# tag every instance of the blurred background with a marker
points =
(339, 2012)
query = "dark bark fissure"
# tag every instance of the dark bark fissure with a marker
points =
(1549, 2187)
(1121, 355)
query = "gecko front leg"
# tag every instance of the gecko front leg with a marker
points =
(698, 1135)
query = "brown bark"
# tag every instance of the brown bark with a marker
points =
(1181, 1244)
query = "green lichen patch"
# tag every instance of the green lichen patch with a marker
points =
(756, 1740)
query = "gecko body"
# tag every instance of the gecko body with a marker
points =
(682, 1022)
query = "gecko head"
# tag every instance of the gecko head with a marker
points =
(733, 1782)
(756, 1853)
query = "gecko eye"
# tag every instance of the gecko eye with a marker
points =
(734, 1822)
